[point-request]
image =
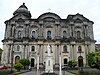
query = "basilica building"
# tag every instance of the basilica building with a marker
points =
(27, 37)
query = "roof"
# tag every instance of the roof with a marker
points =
(97, 46)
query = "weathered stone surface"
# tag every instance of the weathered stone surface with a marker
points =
(23, 31)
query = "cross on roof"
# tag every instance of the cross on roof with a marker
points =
(49, 9)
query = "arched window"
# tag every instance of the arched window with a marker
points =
(65, 48)
(32, 48)
(65, 61)
(49, 35)
(19, 34)
(79, 49)
(18, 48)
(78, 35)
(17, 58)
(64, 34)
(33, 35)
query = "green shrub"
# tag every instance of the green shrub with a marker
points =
(24, 62)
(18, 66)
(72, 63)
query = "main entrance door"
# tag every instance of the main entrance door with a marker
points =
(80, 61)
(32, 62)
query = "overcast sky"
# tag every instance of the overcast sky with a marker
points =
(89, 8)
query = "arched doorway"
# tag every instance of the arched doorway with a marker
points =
(65, 61)
(17, 58)
(80, 61)
(32, 62)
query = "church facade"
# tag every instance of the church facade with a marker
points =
(72, 38)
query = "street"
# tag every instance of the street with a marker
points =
(35, 73)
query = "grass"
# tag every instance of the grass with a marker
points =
(8, 72)
(85, 72)
(5, 72)
(91, 72)
(21, 71)
(74, 71)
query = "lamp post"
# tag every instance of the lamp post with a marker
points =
(37, 63)
(60, 72)
(12, 58)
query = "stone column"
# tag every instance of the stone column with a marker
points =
(59, 30)
(75, 52)
(27, 48)
(13, 31)
(56, 55)
(70, 52)
(9, 31)
(56, 30)
(5, 35)
(9, 54)
(41, 56)
(42, 53)
(27, 30)
(70, 30)
(24, 51)
(72, 33)
(40, 33)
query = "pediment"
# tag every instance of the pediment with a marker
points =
(79, 18)
(18, 16)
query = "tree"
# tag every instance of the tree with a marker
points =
(90, 59)
(24, 62)
(97, 59)
(72, 63)
(94, 59)
(18, 66)
(0, 53)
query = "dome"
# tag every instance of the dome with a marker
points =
(49, 14)
(23, 9)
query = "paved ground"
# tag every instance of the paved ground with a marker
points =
(67, 73)
(35, 73)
